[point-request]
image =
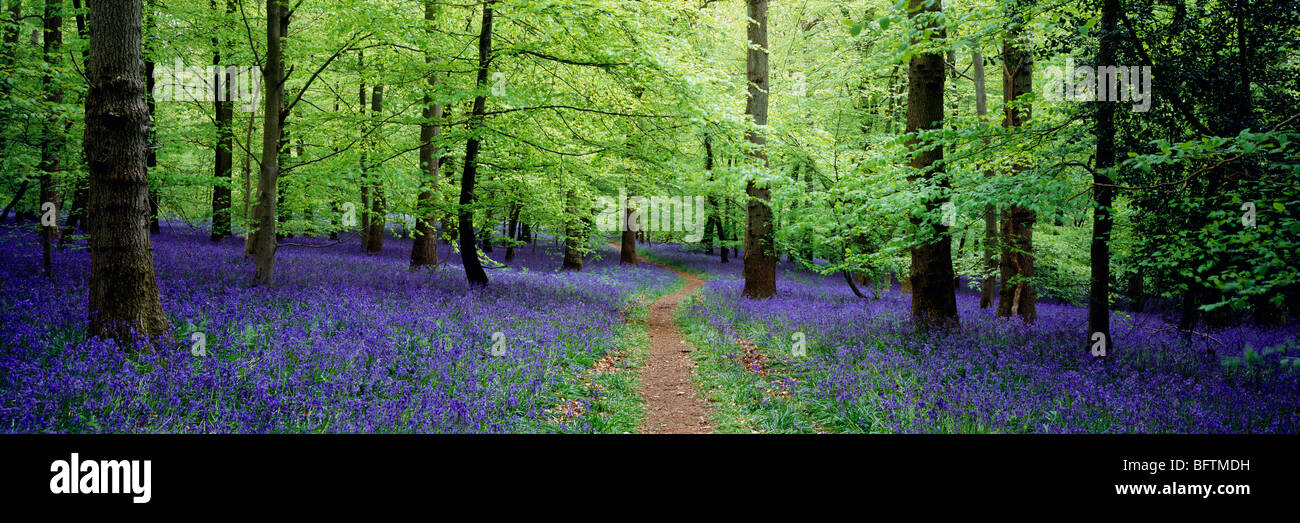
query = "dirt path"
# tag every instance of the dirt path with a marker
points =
(672, 404)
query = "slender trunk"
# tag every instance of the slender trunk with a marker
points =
(574, 240)
(81, 192)
(723, 237)
(18, 195)
(989, 278)
(934, 300)
(711, 223)
(627, 248)
(424, 247)
(468, 251)
(1136, 292)
(760, 259)
(1102, 193)
(1017, 296)
(511, 229)
(8, 51)
(224, 159)
(151, 155)
(378, 204)
(52, 138)
(264, 244)
(248, 190)
(123, 287)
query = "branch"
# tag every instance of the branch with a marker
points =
(585, 110)
(319, 70)
(552, 58)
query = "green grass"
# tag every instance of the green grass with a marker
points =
(618, 408)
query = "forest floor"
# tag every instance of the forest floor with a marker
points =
(673, 406)
(346, 342)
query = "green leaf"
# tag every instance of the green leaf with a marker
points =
(857, 28)
(884, 23)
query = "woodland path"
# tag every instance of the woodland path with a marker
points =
(673, 406)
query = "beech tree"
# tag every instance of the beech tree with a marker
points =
(934, 301)
(760, 255)
(468, 250)
(123, 287)
(1017, 296)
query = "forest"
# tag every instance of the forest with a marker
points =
(659, 216)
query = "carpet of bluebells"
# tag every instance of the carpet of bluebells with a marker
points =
(867, 370)
(342, 342)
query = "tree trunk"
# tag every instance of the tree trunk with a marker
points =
(711, 227)
(224, 160)
(627, 250)
(81, 191)
(512, 228)
(378, 204)
(468, 251)
(723, 237)
(151, 155)
(1136, 292)
(264, 243)
(363, 101)
(123, 287)
(1017, 293)
(574, 240)
(989, 279)
(52, 139)
(1102, 194)
(248, 190)
(760, 259)
(934, 300)
(8, 52)
(424, 247)
(18, 195)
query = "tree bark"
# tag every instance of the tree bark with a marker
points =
(468, 250)
(934, 300)
(81, 190)
(7, 56)
(723, 236)
(424, 247)
(627, 249)
(264, 242)
(378, 203)
(151, 157)
(1102, 193)
(711, 227)
(223, 162)
(249, 208)
(989, 280)
(52, 139)
(123, 286)
(512, 228)
(760, 259)
(1017, 296)
(574, 240)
